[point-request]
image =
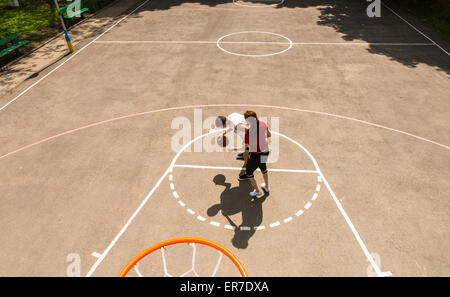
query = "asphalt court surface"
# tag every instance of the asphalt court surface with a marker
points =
(75, 192)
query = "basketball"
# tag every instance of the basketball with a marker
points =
(222, 141)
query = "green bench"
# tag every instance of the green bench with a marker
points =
(9, 44)
(69, 15)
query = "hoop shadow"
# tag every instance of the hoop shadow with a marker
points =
(234, 200)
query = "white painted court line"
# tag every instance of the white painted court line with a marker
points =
(247, 228)
(137, 270)
(217, 224)
(267, 5)
(417, 30)
(125, 227)
(264, 42)
(170, 169)
(308, 205)
(154, 42)
(355, 232)
(287, 220)
(73, 55)
(69, 132)
(341, 209)
(273, 225)
(104, 122)
(243, 228)
(96, 255)
(240, 168)
(366, 43)
(200, 218)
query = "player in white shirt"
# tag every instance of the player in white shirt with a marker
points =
(234, 122)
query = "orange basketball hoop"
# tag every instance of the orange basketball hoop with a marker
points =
(192, 240)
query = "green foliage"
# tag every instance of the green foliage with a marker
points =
(434, 13)
(36, 20)
(31, 17)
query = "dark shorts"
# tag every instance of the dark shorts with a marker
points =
(256, 160)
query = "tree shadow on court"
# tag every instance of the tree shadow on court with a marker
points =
(235, 200)
(349, 18)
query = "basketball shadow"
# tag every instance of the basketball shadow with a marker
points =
(234, 200)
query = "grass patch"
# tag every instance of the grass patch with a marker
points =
(32, 20)
(36, 21)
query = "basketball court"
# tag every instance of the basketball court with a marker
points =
(358, 108)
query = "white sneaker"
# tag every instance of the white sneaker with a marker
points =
(255, 193)
(263, 186)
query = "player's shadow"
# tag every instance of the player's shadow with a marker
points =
(234, 200)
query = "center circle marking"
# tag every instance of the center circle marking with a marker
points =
(257, 32)
(237, 2)
(175, 195)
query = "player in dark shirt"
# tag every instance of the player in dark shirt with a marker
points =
(256, 152)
